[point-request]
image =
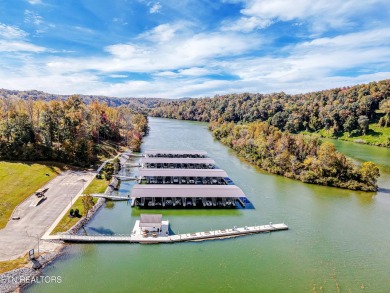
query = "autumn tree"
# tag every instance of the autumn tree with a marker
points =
(87, 201)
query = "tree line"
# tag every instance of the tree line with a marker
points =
(339, 110)
(137, 105)
(66, 131)
(295, 156)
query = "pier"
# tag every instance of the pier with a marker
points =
(111, 197)
(138, 237)
(125, 178)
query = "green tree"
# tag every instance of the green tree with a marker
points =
(350, 124)
(363, 122)
(385, 109)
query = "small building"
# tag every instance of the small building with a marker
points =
(150, 222)
(151, 225)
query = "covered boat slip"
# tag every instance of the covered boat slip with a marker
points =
(199, 196)
(176, 153)
(178, 163)
(184, 176)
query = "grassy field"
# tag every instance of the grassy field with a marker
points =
(10, 265)
(96, 186)
(18, 181)
(376, 136)
(379, 136)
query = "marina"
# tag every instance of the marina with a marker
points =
(184, 179)
(158, 232)
(334, 235)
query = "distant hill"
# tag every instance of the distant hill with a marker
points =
(359, 113)
(137, 103)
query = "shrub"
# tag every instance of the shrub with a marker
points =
(77, 213)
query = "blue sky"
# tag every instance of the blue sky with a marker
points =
(174, 49)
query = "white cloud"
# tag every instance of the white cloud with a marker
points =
(165, 74)
(155, 8)
(34, 2)
(19, 46)
(32, 17)
(194, 71)
(161, 33)
(320, 14)
(11, 32)
(122, 50)
(180, 52)
(246, 24)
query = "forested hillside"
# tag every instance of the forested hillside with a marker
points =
(138, 105)
(66, 131)
(295, 156)
(347, 110)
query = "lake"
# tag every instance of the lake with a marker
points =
(338, 239)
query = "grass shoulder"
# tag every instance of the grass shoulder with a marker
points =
(9, 265)
(18, 180)
(67, 222)
(97, 186)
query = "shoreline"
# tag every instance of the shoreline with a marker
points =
(14, 280)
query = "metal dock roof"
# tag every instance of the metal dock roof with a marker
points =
(177, 160)
(154, 172)
(176, 152)
(169, 190)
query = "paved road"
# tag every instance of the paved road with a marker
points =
(19, 236)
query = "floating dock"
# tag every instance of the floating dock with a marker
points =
(137, 237)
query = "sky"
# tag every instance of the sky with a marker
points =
(183, 48)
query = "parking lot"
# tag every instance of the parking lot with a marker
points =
(21, 235)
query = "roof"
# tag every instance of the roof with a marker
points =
(170, 190)
(154, 172)
(150, 220)
(178, 160)
(176, 152)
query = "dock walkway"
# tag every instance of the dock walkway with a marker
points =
(108, 196)
(198, 236)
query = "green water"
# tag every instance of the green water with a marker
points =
(338, 239)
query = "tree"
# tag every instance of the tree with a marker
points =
(350, 124)
(363, 122)
(87, 202)
(369, 173)
(385, 109)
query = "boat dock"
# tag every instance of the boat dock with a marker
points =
(138, 237)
